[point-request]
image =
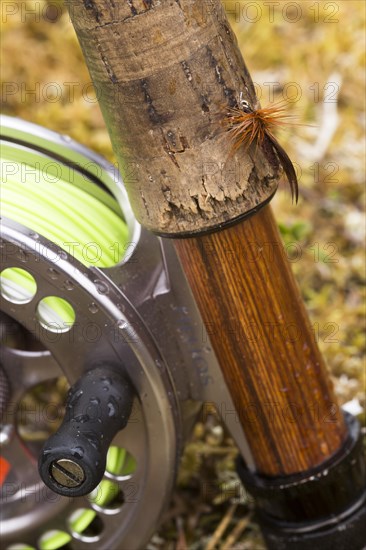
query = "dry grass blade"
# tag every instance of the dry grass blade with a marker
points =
(236, 533)
(221, 528)
(181, 542)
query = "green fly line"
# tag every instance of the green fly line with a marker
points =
(78, 216)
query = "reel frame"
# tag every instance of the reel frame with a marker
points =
(147, 321)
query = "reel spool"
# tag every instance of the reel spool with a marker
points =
(82, 287)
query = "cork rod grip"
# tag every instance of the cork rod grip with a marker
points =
(164, 73)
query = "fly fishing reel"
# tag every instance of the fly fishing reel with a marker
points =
(92, 301)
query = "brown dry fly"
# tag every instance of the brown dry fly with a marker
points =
(247, 126)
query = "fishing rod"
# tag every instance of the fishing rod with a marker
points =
(170, 74)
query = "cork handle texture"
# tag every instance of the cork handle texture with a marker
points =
(256, 321)
(164, 73)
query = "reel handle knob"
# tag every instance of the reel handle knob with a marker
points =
(73, 460)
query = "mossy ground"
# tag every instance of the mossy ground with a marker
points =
(312, 54)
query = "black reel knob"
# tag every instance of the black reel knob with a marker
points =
(73, 460)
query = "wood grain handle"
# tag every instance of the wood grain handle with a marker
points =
(259, 329)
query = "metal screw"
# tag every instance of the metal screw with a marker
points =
(67, 473)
